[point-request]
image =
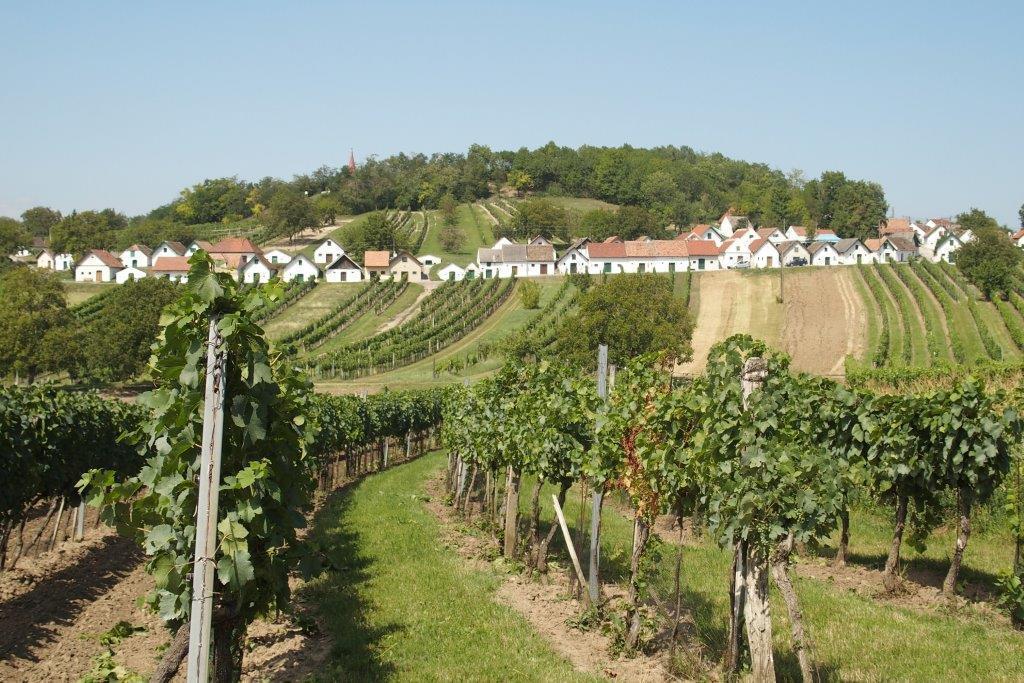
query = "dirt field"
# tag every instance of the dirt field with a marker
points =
(825, 319)
(733, 302)
(822, 318)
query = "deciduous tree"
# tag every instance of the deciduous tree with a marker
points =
(34, 320)
(990, 259)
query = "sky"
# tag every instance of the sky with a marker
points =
(123, 104)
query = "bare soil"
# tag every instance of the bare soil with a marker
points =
(732, 302)
(825, 319)
(546, 604)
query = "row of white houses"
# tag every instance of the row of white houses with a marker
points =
(242, 259)
(725, 245)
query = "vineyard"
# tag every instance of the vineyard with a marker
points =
(733, 452)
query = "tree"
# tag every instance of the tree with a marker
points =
(79, 232)
(39, 220)
(540, 217)
(529, 294)
(858, 210)
(374, 232)
(633, 314)
(975, 220)
(327, 208)
(990, 260)
(449, 209)
(12, 236)
(520, 181)
(34, 320)
(1020, 215)
(116, 343)
(214, 201)
(452, 238)
(290, 213)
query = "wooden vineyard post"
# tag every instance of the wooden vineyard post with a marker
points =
(80, 521)
(597, 501)
(199, 645)
(570, 546)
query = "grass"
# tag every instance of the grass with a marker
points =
(875, 316)
(855, 637)
(368, 323)
(318, 303)
(403, 607)
(913, 326)
(581, 204)
(77, 292)
(475, 227)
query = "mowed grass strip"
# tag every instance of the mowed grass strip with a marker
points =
(913, 324)
(318, 303)
(476, 231)
(403, 607)
(77, 292)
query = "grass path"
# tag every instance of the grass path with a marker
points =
(318, 303)
(914, 324)
(403, 607)
(369, 322)
(77, 292)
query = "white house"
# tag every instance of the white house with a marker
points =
(196, 245)
(174, 268)
(931, 237)
(773, 235)
(328, 252)
(822, 253)
(136, 256)
(746, 235)
(793, 250)
(705, 232)
(729, 223)
(882, 250)
(343, 269)
(965, 236)
(796, 233)
(98, 266)
(573, 260)
(277, 257)
(735, 252)
(944, 250)
(1018, 237)
(517, 260)
(852, 251)
(472, 271)
(129, 274)
(300, 268)
(429, 260)
(451, 273)
(169, 248)
(764, 254)
(257, 270)
(51, 261)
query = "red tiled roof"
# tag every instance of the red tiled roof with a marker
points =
(703, 248)
(894, 225)
(613, 238)
(607, 249)
(377, 259)
(107, 258)
(234, 245)
(1017, 235)
(177, 247)
(171, 264)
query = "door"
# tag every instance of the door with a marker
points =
(672, 267)
(700, 264)
(860, 258)
(97, 277)
(544, 269)
(572, 268)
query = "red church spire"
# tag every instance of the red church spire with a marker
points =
(351, 161)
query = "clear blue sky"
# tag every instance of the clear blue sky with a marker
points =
(123, 104)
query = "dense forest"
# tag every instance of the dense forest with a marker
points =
(672, 185)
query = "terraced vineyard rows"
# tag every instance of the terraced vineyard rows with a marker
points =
(374, 295)
(449, 313)
(928, 313)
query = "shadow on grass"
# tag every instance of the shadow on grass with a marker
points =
(336, 598)
(975, 584)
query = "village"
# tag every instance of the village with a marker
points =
(731, 243)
